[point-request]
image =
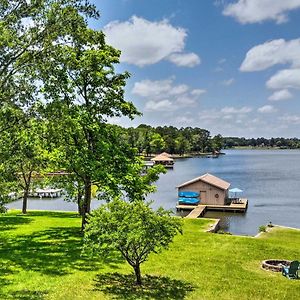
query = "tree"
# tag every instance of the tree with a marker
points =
(182, 145)
(133, 229)
(22, 152)
(146, 142)
(31, 32)
(157, 143)
(217, 142)
(82, 91)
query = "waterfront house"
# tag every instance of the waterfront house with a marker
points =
(212, 190)
(164, 160)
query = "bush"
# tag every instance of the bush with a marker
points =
(262, 228)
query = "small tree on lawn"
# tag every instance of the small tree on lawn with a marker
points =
(133, 229)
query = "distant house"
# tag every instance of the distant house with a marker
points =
(163, 159)
(213, 190)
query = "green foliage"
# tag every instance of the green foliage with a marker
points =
(149, 139)
(3, 209)
(217, 142)
(283, 143)
(157, 143)
(60, 71)
(133, 229)
(182, 145)
(23, 154)
(83, 91)
(262, 228)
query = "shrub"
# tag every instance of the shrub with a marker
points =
(262, 228)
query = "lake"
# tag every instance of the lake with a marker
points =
(270, 180)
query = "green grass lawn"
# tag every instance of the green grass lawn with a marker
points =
(40, 259)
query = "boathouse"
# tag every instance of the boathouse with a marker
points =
(163, 159)
(212, 190)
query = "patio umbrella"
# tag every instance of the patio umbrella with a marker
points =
(235, 191)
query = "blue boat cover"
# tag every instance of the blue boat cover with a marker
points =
(183, 200)
(188, 194)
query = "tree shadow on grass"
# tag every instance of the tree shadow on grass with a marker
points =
(56, 251)
(26, 295)
(5, 271)
(9, 222)
(121, 286)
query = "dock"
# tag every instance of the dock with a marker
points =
(46, 193)
(200, 210)
(197, 212)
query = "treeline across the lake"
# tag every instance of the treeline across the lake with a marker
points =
(279, 142)
(150, 140)
(194, 140)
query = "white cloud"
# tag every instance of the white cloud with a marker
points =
(226, 114)
(165, 95)
(186, 120)
(158, 88)
(267, 109)
(198, 92)
(285, 79)
(228, 82)
(291, 119)
(271, 53)
(257, 11)
(281, 95)
(163, 105)
(235, 110)
(144, 43)
(248, 125)
(185, 59)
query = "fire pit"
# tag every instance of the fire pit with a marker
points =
(275, 265)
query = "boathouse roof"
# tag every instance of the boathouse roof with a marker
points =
(161, 157)
(210, 179)
(166, 154)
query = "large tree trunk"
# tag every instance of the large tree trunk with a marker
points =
(86, 206)
(27, 182)
(25, 199)
(138, 276)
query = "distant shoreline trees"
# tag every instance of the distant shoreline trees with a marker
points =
(194, 140)
(152, 140)
(279, 142)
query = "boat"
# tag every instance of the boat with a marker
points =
(188, 194)
(188, 201)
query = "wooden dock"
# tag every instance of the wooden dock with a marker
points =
(197, 212)
(200, 210)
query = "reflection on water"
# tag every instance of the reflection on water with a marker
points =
(270, 180)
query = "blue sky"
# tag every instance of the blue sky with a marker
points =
(232, 67)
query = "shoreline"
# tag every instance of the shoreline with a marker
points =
(260, 148)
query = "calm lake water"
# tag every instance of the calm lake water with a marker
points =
(270, 180)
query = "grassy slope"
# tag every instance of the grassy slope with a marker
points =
(40, 259)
